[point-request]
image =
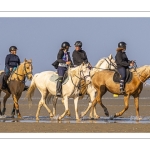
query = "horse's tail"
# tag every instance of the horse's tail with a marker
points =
(31, 90)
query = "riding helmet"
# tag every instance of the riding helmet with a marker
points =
(78, 44)
(122, 44)
(12, 48)
(65, 45)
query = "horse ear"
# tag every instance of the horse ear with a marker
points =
(30, 60)
(110, 56)
(25, 60)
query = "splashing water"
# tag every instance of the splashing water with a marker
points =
(55, 117)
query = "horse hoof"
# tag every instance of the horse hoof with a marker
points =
(96, 117)
(107, 114)
(19, 117)
(111, 117)
(51, 115)
(37, 119)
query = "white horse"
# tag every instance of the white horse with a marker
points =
(69, 89)
(102, 64)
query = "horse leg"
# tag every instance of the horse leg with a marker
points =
(76, 107)
(7, 95)
(42, 103)
(0, 109)
(126, 103)
(66, 108)
(92, 96)
(13, 111)
(17, 105)
(68, 113)
(54, 105)
(105, 109)
(136, 102)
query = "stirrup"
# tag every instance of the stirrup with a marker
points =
(58, 94)
(122, 91)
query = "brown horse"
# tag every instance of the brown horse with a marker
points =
(16, 85)
(103, 82)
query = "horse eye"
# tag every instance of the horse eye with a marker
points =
(27, 67)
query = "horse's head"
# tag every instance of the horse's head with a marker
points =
(28, 69)
(85, 72)
(108, 63)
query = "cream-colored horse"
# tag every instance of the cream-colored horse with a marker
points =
(70, 89)
(106, 63)
(16, 85)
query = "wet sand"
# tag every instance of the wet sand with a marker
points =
(113, 104)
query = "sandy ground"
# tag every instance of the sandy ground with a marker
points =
(113, 104)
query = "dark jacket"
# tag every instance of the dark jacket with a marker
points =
(12, 61)
(60, 60)
(79, 57)
(122, 59)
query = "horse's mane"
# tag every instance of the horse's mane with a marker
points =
(141, 69)
(73, 71)
(100, 62)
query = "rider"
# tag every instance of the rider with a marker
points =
(122, 63)
(79, 55)
(11, 62)
(61, 64)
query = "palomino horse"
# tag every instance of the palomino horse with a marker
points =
(16, 85)
(106, 63)
(69, 89)
(103, 82)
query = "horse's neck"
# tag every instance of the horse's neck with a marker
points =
(18, 74)
(99, 63)
(143, 72)
(74, 76)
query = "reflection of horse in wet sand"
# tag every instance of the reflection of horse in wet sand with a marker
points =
(69, 89)
(103, 82)
(106, 63)
(16, 85)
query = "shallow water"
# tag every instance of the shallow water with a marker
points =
(46, 119)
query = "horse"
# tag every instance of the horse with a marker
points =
(106, 63)
(103, 82)
(69, 89)
(16, 85)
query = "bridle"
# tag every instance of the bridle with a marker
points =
(26, 73)
(110, 63)
(80, 78)
(134, 67)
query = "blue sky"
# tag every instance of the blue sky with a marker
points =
(39, 39)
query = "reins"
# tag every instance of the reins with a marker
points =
(134, 67)
(25, 75)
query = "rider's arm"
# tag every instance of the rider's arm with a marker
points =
(120, 60)
(59, 56)
(7, 61)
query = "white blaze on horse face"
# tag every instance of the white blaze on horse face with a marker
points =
(85, 73)
(28, 67)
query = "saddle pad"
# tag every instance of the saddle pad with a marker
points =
(129, 75)
(54, 78)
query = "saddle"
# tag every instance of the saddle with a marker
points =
(129, 75)
(55, 77)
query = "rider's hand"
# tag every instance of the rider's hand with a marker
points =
(10, 69)
(132, 63)
(68, 62)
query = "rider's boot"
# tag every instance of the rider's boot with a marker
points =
(59, 87)
(122, 91)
